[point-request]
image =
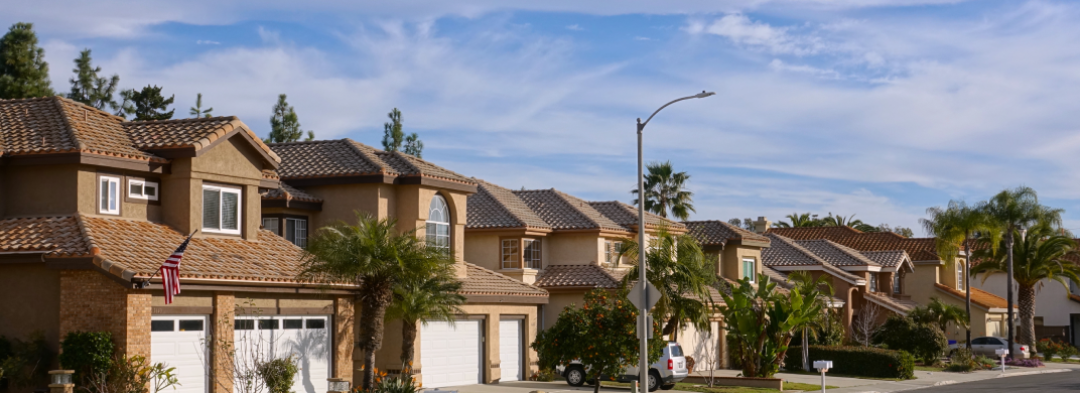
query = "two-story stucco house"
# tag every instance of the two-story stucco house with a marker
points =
(90, 207)
(324, 182)
(930, 278)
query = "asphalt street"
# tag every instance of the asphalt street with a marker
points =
(1055, 382)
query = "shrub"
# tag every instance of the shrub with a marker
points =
(396, 384)
(24, 363)
(1048, 348)
(1067, 352)
(985, 362)
(857, 361)
(278, 374)
(87, 353)
(926, 341)
(1024, 362)
(130, 375)
(544, 375)
(961, 361)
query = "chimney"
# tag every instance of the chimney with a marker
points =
(762, 224)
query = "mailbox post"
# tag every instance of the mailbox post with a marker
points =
(823, 366)
(1003, 352)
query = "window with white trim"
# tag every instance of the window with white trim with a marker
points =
(749, 266)
(221, 209)
(271, 224)
(960, 276)
(896, 283)
(109, 201)
(873, 283)
(142, 189)
(296, 231)
(611, 251)
(438, 224)
(531, 248)
(510, 255)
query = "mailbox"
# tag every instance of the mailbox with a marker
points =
(823, 365)
(1001, 352)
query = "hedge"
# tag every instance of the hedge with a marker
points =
(857, 361)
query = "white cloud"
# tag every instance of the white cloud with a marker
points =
(574, 27)
(207, 42)
(742, 31)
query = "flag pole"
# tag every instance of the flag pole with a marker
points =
(146, 282)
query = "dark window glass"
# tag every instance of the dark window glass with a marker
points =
(316, 324)
(244, 324)
(268, 324)
(979, 341)
(191, 325)
(676, 351)
(294, 323)
(161, 326)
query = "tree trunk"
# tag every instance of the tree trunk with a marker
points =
(805, 351)
(408, 345)
(376, 297)
(1011, 338)
(967, 290)
(1026, 298)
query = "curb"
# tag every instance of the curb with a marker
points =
(1022, 373)
(1016, 374)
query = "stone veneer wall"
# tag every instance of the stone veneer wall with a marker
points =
(91, 302)
(222, 335)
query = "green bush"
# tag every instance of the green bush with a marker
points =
(24, 363)
(544, 375)
(278, 374)
(87, 353)
(857, 361)
(1068, 351)
(396, 384)
(926, 341)
(961, 360)
(985, 362)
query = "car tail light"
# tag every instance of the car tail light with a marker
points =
(670, 364)
(1023, 348)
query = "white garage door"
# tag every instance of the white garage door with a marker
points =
(306, 338)
(450, 355)
(510, 351)
(701, 345)
(180, 341)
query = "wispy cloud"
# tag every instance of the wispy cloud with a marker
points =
(758, 35)
(207, 42)
(575, 27)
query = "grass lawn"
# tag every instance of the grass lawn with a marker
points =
(929, 368)
(694, 387)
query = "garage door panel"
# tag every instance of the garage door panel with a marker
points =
(450, 354)
(510, 350)
(280, 336)
(184, 350)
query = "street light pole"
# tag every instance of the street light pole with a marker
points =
(643, 312)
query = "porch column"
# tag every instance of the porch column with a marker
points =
(344, 318)
(221, 339)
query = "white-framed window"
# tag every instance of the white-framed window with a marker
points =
(510, 255)
(221, 209)
(438, 224)
(271, 224)
(296, 231)
(531, 248)
(960, 276)
(611, 251)
(142, 189)
(749, 266)
(896, 283)
(873, 283)
(109, 201)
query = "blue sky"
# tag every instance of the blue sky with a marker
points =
(879, 108)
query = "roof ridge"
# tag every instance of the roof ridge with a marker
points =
(402, 156)
(798, 247)
(377, 162)
(569, 200)
(482, 187)
(185, 120)
(70, 130)
(851, 251)
(88, 107)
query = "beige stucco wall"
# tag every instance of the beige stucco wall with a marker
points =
(33, 190)
(920, 284)
(557, 301)
(1051, 300)
(30, 295)
(574, 249)
(731, 261)
(482, 249)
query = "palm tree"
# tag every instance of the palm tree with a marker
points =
(433, 298)
(940, 314)
(679, 270)
(1041, 255)
(378, 259)
(817, 292)
(665, 190)
(952, 228)
(804, 220)
(1009, 212)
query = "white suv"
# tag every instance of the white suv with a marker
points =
(670, 369)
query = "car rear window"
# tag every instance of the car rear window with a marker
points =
(676, 350)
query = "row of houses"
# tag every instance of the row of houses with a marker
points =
(91, 204)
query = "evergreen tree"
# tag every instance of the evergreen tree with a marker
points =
(285, 125)
(394, 138)
(413, 145)
(197, 111)
(88, 88)
(23, 70)
(146, 104)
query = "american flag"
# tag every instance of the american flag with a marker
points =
(170, 271)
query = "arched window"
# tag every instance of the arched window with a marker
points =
(438, 224)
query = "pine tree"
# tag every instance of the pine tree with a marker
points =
(285, 125)
(394, 137)
(88, 88)
(197, 111)
(23, 70)
(146, 104)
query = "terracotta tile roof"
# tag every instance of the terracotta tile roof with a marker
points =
(59, 236)
(493, 206)
(896, 305)
(287, 192)
(780, 278)
(919, 249)
(784, 252)
(345, 157)
(890, 258)
(836, 254)
(589, 276)
(627, 216)
(563, 211)
(480, 281)
(195, 132)
(715, 232)
(980, 297)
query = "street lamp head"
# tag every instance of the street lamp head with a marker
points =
(704, 94)
(1023, 234)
